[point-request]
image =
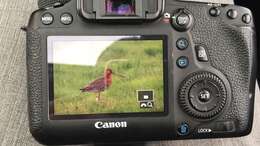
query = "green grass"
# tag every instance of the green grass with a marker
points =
(144, 70)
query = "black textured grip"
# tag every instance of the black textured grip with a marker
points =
(51, 3)
(253, 5)
(34, 75)
(231, 50)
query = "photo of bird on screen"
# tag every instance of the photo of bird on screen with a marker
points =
(102, 75)
(102, 83)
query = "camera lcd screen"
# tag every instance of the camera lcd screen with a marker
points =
(101, 75)
(120, 7)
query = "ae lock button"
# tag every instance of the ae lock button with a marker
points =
(182, 20)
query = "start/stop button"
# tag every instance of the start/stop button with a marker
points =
(182, 20)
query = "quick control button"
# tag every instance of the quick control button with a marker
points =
(183, 129)
(201, 54)
(182, 62)
(232, 14)
(47, 19)
(214, 12)
(182, 20)
(182, 44)
(246, 18)
(66, 18)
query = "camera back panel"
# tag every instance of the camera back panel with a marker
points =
(208, 68)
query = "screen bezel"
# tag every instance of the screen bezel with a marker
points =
(52, 116)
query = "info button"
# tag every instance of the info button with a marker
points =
(66, 18)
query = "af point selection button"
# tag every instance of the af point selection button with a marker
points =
(183, 129)
(182, 62)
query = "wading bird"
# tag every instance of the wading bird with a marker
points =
(101, 84)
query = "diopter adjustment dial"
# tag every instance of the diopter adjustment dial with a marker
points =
(203, 95)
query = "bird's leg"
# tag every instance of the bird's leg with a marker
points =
(98, 97)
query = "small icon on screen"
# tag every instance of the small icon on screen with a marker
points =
(145, 98)
(149, 104)
(145, 95)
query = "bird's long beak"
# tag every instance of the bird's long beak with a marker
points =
(120, 75)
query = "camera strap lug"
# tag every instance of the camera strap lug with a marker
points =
(24, 28)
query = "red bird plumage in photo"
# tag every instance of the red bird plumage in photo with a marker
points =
(99, 85)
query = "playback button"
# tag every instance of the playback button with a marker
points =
(182, 62)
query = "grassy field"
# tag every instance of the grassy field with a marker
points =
(143, 68)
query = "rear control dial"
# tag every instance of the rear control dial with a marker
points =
(203, 95)
(182, 20)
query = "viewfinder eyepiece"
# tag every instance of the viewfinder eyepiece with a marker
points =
(118, 10)
(120, 7)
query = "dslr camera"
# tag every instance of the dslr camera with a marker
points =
(139, 70)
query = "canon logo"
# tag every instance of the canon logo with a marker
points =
(107, 125)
